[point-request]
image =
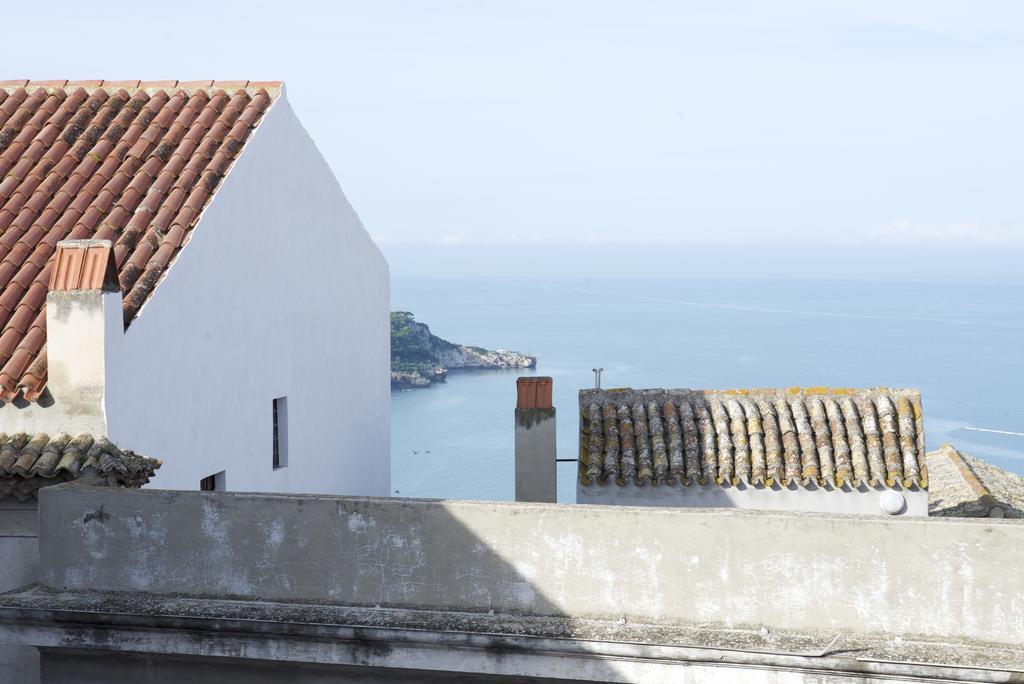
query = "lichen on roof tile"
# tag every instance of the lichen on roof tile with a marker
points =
(845, 438)
(964, 486)
(30, 462)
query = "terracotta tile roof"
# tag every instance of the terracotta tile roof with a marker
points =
(825, 436)
(28, 463)
(968, 487)
(133, 162)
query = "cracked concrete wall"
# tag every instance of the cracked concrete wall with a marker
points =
(948, 578)
(19, 558)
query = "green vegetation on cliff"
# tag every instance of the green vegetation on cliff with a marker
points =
(413, 348)
(419, 358)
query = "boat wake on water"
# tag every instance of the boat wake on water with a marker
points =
(998, 432)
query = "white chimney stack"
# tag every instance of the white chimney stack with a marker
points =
(84, 324)
(536, 477)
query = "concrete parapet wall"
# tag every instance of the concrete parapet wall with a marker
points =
(19, 559)
(952, 578)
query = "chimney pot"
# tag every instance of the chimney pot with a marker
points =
(84, 265)
(533, 392)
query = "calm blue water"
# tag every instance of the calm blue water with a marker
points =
(960, 344)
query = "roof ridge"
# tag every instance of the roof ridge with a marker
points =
(974, 487)
(741, 391)
(966, 471)
(190, 87)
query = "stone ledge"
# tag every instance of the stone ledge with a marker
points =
(337, 635)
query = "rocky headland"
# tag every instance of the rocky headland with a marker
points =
(419, 358)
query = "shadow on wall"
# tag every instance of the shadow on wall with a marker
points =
(386, 553)
(395, 553)
(683, 568)
(19, 558)
(98, 668)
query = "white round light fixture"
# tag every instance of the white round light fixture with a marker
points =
(892, 502)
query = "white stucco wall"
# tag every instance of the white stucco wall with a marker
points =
(812, 499)
(280, 292)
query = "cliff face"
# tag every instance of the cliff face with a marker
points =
(463, 356)
(419, 358)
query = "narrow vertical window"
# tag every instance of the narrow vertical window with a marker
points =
(280, 432)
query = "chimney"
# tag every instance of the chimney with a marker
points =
(535, 441)
(84, 320)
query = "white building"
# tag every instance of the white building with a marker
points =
(799, 449)
(244, 339)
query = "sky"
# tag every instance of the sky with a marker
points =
(853, 139)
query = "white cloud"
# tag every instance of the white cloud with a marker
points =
(448, 239)
(452, 239)
(895, 233)
(957, 234)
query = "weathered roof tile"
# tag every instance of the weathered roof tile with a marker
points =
(965, 486)
(30, 462)
(761, 437)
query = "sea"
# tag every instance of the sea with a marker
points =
(960, 344)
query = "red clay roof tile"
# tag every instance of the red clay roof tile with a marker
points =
(20, 322)
(128, 161)
(7, 186)
(12, 336)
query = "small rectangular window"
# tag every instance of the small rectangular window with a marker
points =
(280, 432)
(213, 483)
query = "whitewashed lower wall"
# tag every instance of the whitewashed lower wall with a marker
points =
(862, 499)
